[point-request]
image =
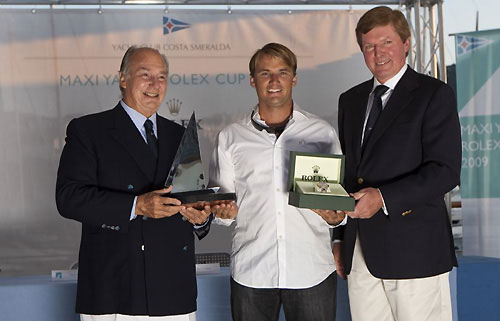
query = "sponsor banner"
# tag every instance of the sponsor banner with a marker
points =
(478, 80)
(60, 64)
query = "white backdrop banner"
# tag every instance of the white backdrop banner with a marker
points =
(60, 64)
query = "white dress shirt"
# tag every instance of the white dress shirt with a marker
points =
(391, 84)
(275, 245)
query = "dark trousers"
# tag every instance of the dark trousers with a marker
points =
(317, 303)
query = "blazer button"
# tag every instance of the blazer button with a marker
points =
(360, 180)
(103, 226)
(406, 212)
(184, 218)
(142, 247)
(144, 218)
(117, 228)
(185, 248)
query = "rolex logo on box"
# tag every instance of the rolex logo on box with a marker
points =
(315, 182)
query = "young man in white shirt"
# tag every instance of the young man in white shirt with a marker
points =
(281, 255)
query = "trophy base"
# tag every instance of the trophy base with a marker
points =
(200, 198)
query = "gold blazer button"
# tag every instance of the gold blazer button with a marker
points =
(360, 180)
(406, 212)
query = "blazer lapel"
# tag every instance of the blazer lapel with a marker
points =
(359, 112)
(399, 100)
(125, 132)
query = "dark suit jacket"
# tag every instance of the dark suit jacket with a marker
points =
(414, 157)
(104, 165)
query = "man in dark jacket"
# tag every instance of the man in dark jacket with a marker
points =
(137, 245)
(400, 135)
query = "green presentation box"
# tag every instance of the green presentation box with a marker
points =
(315, 182)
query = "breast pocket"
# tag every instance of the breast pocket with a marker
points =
(307, 146)
(402, 138)
(406, 125)
(121, 170)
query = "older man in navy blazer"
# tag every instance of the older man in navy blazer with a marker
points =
(401, 138)
(137, 246)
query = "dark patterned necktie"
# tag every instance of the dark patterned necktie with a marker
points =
(151, 138)
(375, 111)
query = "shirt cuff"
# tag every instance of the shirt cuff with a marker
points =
(344, 222)
(223, 221)
(198, 226)
(132, 213)
(383, 202)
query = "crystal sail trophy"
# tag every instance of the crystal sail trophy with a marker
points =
(186, 173)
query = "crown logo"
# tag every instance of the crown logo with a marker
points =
(316, 169)
(174, 106)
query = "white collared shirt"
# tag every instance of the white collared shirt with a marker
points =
(138, 119)
(275, 245)
(391, 83)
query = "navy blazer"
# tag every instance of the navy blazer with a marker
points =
(135, 267)
(413, 155)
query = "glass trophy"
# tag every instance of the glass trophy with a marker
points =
(186, 173)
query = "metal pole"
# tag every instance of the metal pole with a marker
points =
(433, 40)
(442, 64)
(425, 42)
(411, 57)
(418, 43)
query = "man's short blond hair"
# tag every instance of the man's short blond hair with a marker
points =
(275, 50)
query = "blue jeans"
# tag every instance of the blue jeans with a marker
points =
(317, 303)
